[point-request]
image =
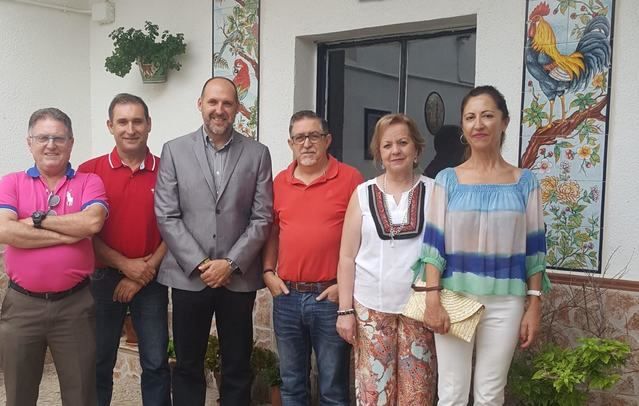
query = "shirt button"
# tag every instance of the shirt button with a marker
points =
(217, 211)
(214, 235)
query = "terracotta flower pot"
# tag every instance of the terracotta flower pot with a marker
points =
(129, 331)
(276, 396)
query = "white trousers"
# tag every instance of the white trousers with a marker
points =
(495, 340)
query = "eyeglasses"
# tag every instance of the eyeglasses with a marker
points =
(44, 140)
(314, 138)
(52, 202)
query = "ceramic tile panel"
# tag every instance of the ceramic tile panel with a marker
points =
(236, 56)
(564, 118)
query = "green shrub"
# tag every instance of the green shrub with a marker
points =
(212, 358)
(264, 363)
(565, 376)
(170, 350)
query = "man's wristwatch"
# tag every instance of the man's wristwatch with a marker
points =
(37, 218)
(233, 265)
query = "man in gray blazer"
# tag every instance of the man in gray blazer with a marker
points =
(213, 202)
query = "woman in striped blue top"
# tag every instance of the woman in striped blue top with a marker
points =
(484, 238)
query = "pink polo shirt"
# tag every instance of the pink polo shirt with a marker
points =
(60, 267)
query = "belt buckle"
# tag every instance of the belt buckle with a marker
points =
(47, 295)
(310, 287)
(304, 287)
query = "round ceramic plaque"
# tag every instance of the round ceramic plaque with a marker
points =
(434, 112)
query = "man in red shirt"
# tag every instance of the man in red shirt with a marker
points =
(300, 263)
(128, 252)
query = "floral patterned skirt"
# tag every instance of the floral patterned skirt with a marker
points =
(395, 360)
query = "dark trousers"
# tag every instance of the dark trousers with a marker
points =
(192, 315)
(149, 313)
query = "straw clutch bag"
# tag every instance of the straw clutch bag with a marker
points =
(463, 311)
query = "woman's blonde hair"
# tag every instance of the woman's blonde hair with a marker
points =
(388, 120)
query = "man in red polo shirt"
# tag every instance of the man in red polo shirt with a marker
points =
(48, 214)
(128, 252)
(300, 263)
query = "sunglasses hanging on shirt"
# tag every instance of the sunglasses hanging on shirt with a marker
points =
(52, 202)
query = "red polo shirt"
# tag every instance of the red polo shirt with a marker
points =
(131, 228)
(310, 218)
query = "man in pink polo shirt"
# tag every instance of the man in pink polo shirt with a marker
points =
(48, 214)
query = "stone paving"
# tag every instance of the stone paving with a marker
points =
(126, 390)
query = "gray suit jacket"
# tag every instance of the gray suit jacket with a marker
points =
(195, 225)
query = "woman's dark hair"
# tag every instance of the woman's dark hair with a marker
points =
(498, 98)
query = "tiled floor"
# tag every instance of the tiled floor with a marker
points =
(126, 391)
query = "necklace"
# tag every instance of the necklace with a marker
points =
(396, 228)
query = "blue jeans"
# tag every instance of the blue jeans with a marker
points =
(149, 313)
(301, 324)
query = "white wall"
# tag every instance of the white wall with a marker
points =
(45, 56)
(44, 63)
(172, 105)
(291, 28)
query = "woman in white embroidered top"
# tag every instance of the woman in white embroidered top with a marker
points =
(484, 238)
(395, 361)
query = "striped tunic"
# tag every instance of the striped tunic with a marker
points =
(485, 239)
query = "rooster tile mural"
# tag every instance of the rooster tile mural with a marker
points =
(564, 122)
(236, 55)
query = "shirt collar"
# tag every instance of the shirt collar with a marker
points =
(34, 172)
(331, 172)
(207, 140)
(149, 162)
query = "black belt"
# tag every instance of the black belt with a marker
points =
(52, 296)
(310, 287)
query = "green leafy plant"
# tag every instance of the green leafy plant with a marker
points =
(212, 358)
(140, 46)
(170, 350)
(264, 363)
(565, 376)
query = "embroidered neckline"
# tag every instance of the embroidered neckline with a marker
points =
(413, 221)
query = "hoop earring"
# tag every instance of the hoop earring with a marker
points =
(462, 139)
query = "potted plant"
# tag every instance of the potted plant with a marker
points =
(580, 355)
(273, 379)
(212, 362)
(154, 59)
(170, 352)
(266, 371)
(566, 376)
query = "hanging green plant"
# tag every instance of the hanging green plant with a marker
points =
(140, 46)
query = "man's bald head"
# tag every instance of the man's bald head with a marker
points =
(227, 80)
